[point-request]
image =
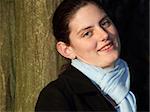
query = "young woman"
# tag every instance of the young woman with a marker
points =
(97, 79)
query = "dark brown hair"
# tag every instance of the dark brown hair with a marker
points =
(64, 13)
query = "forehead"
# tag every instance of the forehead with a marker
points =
(87, 15)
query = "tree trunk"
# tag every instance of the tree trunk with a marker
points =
(28, 59)
(6, 67)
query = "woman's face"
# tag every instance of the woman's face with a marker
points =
(93, 37)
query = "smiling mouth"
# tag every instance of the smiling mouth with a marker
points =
(107, 47)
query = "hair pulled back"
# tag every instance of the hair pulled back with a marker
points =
(63, 14)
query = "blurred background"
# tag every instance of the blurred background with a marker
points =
(29, 61)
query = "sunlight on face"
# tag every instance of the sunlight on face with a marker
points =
(93, 37)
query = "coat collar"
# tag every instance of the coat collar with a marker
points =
(79, 82)
(83, 86)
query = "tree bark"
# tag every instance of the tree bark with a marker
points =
(6, 67)
(28, 59)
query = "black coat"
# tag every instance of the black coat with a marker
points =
(72, 91)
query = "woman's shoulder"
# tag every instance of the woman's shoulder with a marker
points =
(59, 85)
(55, 86)
(61, 82)
(53, 94)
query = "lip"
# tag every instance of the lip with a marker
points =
(106, 47)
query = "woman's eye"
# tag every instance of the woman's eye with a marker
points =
(106, 23)
(87, 34)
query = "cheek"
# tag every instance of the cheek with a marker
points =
(113, 31)
(114, 35)
(90, 45)
(86, 46)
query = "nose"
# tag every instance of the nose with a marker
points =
(102, 34)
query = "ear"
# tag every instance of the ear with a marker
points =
(65, 50)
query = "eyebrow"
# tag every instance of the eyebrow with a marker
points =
(106, 16)
(84, 29)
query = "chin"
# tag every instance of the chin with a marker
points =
(110, 61)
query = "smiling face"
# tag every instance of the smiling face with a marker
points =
(93, 37)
